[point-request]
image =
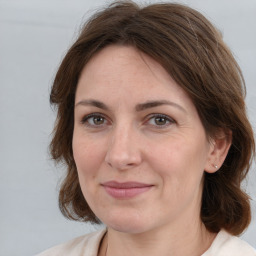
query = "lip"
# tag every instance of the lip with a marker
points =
(125, 190)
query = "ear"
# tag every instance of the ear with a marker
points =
(219, 147)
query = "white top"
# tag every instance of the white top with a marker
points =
(223, 245)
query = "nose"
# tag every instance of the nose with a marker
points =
(123, 149)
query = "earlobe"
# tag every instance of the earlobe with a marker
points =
(219, 148)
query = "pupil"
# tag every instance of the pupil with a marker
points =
(160, 120)
(98, 120)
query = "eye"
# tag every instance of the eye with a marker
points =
(94, 120)
(160, 120)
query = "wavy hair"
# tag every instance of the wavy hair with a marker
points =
(192, 51)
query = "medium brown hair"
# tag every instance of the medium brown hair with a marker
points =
(192, 51)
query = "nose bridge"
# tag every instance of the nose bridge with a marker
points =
(123, 151)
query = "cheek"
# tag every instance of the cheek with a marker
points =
(86, 163)
(180, 163)
(87, 158)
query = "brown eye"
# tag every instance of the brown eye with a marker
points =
(94, 120)
(98, 120)
(160, 120)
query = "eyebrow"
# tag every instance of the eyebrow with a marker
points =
(157, 103)
(94, 103)
(138, 107)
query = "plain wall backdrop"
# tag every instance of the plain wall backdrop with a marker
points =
(34, 36)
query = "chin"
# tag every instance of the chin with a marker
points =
(128, 228)
(127, 224)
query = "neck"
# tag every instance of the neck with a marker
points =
(164, 242)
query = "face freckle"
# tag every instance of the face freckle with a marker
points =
(163, 163)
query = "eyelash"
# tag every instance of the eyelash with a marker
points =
(85, 120)
(165, 117)
(93, 115)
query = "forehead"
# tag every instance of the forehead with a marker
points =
(125, 72)
(115, 61)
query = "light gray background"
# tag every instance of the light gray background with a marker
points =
(34, 36)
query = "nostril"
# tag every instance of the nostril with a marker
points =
(123, 160)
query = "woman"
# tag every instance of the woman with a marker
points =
(153, 129)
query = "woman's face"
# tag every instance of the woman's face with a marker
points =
(139, 145)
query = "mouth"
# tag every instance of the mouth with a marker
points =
(125, 190)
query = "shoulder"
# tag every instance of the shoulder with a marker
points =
(227, 245)
(83, 245)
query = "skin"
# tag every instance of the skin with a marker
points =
(123, 139)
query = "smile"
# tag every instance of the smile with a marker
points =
(125, 190)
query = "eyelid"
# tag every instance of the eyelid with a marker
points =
(155, 115)
(91, 115)
(147, 119)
